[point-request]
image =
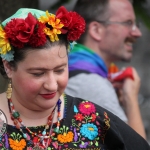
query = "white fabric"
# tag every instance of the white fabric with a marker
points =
(97, 89)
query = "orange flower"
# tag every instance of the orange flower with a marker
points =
(113, 68)
(4, 43)
(54, 28)
(65, 137)
(17, 145)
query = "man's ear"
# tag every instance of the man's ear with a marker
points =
(95, 30)
(8, 68)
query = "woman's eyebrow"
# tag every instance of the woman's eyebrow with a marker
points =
(42, 68)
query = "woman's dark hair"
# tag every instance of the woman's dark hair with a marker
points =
(20, 54)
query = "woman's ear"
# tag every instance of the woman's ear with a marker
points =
(8, 68)
(95, 30)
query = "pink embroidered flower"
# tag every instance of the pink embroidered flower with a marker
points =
(87, 108)
(55, 144)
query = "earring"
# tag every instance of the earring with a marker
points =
(9, 90)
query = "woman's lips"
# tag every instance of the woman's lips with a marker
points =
(48, 96)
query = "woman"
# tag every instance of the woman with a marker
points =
(34, 47)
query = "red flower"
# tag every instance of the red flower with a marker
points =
(93, 117)
(19, 31)
(30, 31)
(36, 141)
(79, 116)
(73, 35)
(74, 24)
(65, 18)
(87, 108)
(61, 11)
(76, 27)
(38, 38)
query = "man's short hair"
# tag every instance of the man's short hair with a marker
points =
(91, 10)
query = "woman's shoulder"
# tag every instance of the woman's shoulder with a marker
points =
(86, 107)
(106, 125)
(78, 100)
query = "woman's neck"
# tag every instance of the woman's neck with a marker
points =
(36, 118)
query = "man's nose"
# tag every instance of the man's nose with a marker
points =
(136, 32)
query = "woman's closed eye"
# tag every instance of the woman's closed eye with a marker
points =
(38, 74)
(41, 73)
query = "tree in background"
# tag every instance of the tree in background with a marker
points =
(9, 7)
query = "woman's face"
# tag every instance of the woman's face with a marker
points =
(41, 78)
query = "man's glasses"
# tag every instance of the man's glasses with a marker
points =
(130, 24)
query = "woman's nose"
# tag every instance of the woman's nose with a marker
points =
(51, 83)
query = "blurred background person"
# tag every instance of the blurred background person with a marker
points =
(110, 33)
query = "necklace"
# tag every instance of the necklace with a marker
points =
(44, 138)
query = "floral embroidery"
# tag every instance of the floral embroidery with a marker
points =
(83, 145)
(106, 127)
(3, 144)
(89, 130)
(17, 143)
(79, 117)
(87, 108)
(93, 117)
(82, 132)
(65, 137)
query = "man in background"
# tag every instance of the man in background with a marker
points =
(110, 33)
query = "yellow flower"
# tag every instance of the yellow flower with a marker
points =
(54, 26)
(4, 44)
(17, 145)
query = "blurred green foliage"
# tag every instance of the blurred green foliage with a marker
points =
(142, 12)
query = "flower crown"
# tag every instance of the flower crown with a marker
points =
(31, 27)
